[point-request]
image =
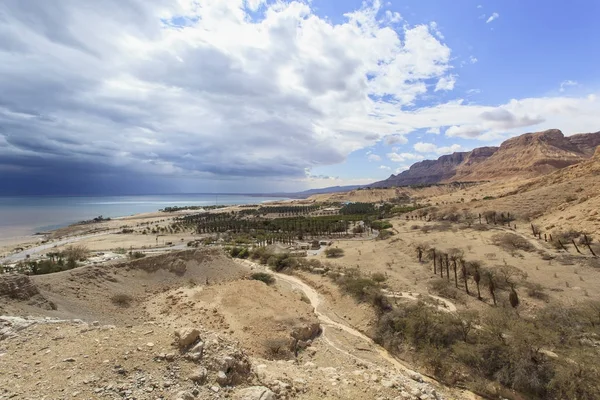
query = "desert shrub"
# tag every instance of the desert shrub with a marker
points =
(508, 275)
(261, 254)
(334, 252)
(536, 291)
(385, 234)
(511, 242)
(239, 252)
(378, 277)
(442, 227)
(567, 236)
(360, 287)
(594, 262)
(77, 252)
(263, 277)
(281, 262)
(414, 227)
(419, 326)
(576, 380)
(358, 229)
(278, 348)
(121, 300)
(381, 224)
(444, 289)
(488, 198)
(50, 266)
(136, 255)
(505, 357)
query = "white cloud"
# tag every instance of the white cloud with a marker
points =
(403, 157)
(473, 60)
(395, 139)
(393, 17)
(432, 148)
(435, 130)
(425, 147)
(566, 84)
(446, 83)
(433, 27)
(465, 131)
(479, 6)
(493, 17)
(385, 167)
(207, 80)
(204, 89)
(374, 157)
(255, 4)
(402, 169)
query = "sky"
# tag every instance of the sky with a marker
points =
(248, 96)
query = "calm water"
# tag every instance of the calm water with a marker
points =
(21, 216)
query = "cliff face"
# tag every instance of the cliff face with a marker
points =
(426, 172)
(525, 156)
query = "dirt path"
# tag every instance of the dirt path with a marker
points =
(447, 307)
(330, 336)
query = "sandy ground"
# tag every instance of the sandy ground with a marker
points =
(88, 359)
(567, 278)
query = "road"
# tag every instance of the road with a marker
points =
(22, 255)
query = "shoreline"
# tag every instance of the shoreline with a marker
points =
(108, 235)
(27, 232)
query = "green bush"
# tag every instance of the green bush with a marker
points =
(263, 277)
(381, 224)
(334, 252)
(357, 286)
(385, 234)
(281, 262)
(136, 255)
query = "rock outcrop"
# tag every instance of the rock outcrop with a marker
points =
(20, 288)
(255, 393)
(525, 156)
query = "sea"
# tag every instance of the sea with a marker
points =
(25, 216)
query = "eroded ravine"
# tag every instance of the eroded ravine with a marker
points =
(329, 335)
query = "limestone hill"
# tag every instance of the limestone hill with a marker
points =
(526, 156)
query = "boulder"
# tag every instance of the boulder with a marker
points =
(184, 395)
(186, 337)
(306, 332)
(254, 393)
(199, 376)
(222, 378)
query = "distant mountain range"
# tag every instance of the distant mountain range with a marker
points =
(525, 156)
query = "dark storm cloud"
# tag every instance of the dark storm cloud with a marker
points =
(117, 91)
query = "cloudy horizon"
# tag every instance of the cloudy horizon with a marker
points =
(188, 96)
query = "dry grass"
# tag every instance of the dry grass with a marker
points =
(121, 300)
(512, 242)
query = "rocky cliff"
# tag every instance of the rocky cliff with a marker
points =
(525, 156)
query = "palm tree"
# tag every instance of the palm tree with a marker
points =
(492, 286)
(447, 268)
(464, 274)
(477, 279)
(513, 297)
